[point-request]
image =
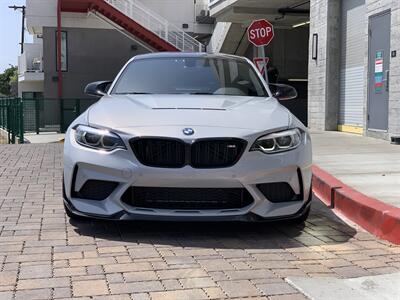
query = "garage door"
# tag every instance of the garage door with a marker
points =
(352, 65)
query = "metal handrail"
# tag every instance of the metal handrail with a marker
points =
(158, 25)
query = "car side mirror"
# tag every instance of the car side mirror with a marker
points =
(283, 91)
(97, 88)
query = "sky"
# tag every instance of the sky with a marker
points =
(10, 33)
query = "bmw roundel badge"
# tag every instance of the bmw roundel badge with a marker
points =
(188, 131)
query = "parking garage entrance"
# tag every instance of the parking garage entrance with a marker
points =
(288, 52)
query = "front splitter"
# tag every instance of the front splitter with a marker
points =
(126, 216)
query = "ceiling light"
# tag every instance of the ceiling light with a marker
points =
(301, 24)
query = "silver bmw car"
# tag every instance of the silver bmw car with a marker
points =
(184, 136)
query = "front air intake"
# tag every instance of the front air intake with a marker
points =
(278, 192)
(187, 198)
(95, 190)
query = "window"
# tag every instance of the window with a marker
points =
(32, 95)
(190, 75)
(64, 52)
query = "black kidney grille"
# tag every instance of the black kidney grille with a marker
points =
(203, 153)
(216, 153)
(187, 198)
(167, 153)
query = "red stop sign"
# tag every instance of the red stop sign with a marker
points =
(260, 32)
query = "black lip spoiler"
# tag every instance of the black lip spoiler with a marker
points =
(125, 216)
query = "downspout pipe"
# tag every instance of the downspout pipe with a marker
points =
(60, 81)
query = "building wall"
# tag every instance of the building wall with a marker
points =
(375, 7)
(180, 12)
(323, 74)
(394, 98)
(93, 54)
(30, 86)
(43, 13)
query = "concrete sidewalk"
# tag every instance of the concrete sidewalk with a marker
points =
(369, 165)
(44, 137)
(383, 287)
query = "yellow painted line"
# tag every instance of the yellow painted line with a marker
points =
(350, 129)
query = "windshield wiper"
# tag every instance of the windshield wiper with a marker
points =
(201, 93)
(133, 93)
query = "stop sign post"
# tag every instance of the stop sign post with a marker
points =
(260, 33)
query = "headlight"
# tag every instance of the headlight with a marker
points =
(278, 142)
(98, 138)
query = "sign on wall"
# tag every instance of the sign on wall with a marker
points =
(378, 73)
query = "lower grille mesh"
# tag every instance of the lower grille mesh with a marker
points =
(187, 198)
(278, 192)
(96, 190)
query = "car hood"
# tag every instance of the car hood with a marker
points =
(126, 111)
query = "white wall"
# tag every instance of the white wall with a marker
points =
(179, 12)
(43, 13)
(40, 13)
(31, 51)
(30, 86)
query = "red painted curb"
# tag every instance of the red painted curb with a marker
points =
(324, 184)
(377, 217)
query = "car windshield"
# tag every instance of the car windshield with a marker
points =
(190, 75)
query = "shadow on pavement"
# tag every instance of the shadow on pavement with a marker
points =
(322, 227)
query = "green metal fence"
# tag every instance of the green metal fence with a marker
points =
(11, 121)
(19, 116)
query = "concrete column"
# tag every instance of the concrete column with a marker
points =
(394, 91)
(323, 73)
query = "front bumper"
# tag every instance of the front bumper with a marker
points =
(249, 217)
(253, 168)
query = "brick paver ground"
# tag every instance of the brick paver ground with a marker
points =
(45, 256)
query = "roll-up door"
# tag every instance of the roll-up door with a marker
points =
(352, 65)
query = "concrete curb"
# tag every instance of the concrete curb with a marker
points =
(377, 217)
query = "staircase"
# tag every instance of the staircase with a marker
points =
(139, 22)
